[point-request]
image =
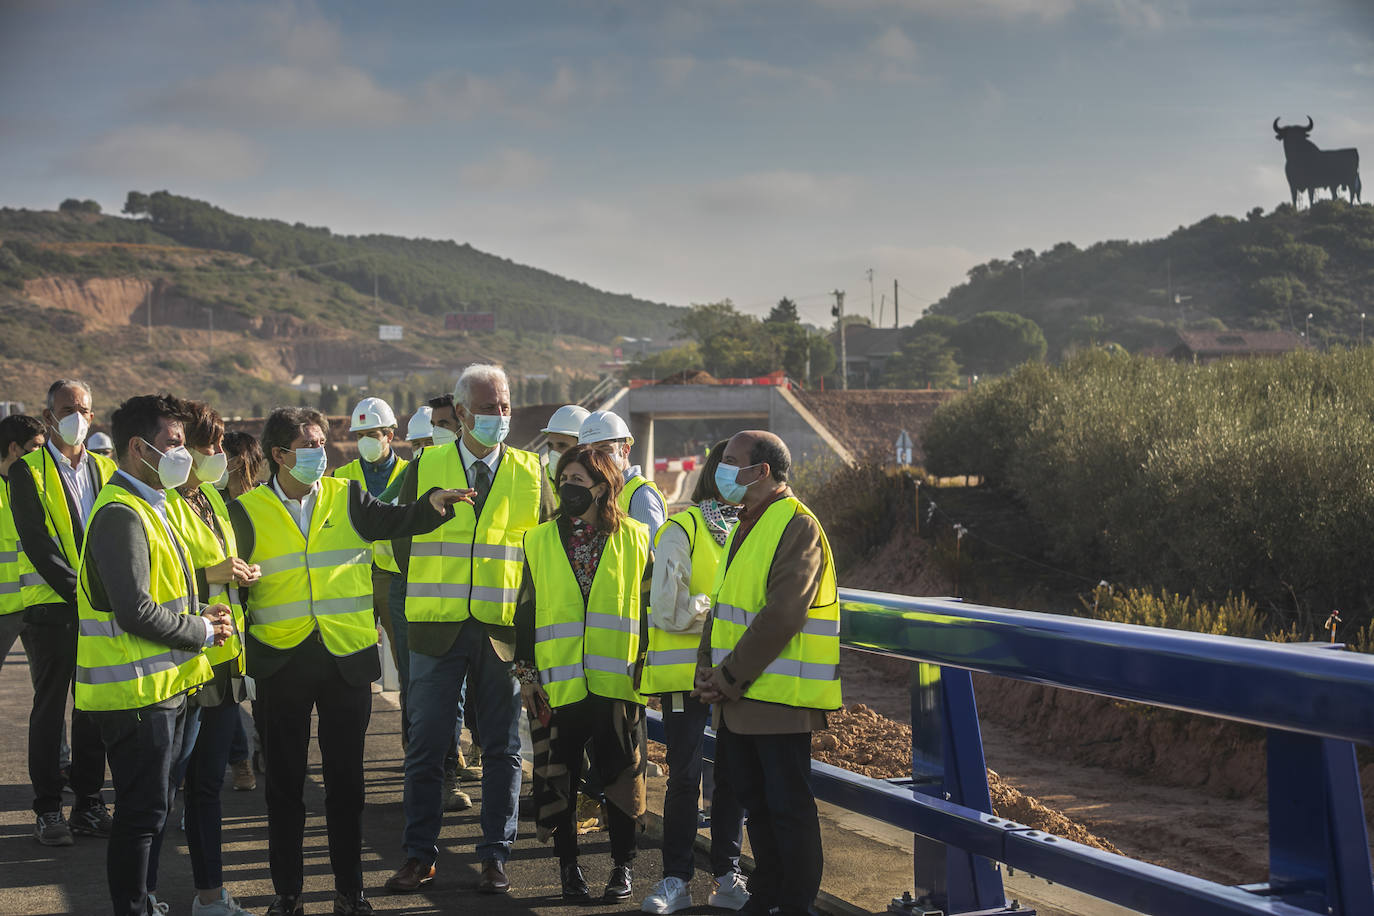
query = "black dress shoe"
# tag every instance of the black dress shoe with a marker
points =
(574, 885)
(618, 887)
(286, 905)
(354, 904)
(493, 880)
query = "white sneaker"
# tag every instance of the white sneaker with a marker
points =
(224, 906)
(668, 896)
(156, 906)
(731, 891)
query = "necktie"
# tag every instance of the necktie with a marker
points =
(481, 482)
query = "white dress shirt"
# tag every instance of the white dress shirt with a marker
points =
(78, 478)
(491, 460)
(299, 509)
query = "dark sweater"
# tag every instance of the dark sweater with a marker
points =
(373, 520)
(43, 549)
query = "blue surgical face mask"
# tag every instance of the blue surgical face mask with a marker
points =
(490, 430)
(726, 482)
(310, 465)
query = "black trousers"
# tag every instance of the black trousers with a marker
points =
(769, 775)
(143, 747)
(588, 723)
(52, 666)
(310, 681)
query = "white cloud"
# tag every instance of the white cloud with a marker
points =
(894, 44)
(168, 151)
(761, 71)
(772, 193)
(287, 94)
(508, 168)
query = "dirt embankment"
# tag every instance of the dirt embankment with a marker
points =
(869, 421)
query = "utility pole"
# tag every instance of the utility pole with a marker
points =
(872, 318)
(210, 315)
(838, 312)
(896, 311)
(148, 311)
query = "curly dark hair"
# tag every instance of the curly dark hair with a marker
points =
(204, 425)
(141, 417)
(283, 426)
(600, 469)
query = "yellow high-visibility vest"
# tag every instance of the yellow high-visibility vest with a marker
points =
(56, 518)
(671, 663)
(206, 550)
(587, 646)
(11, 601)
(807, 672)
(471, 566)
(116, 669)
(322, 581)
(632, 485)
(382, 554)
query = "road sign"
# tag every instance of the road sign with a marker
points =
(903, 448)
(389, 331)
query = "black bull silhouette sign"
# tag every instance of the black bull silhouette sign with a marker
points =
(1309, 168)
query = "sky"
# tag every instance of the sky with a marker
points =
(693, 150)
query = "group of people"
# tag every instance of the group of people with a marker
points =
(175, 579)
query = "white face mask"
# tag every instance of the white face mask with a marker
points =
(444, 436)
(174, 467)
(73, 428)
(371, 448)
(210, 467)
(555, 456)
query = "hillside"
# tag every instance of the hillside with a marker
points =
(236, 316)
(1265, 272)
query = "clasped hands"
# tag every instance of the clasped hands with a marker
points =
(706, 689)
(222, 619)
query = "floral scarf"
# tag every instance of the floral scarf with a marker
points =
(720, 517)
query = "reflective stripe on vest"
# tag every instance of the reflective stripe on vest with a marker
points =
(671, 663)
(587, 645)
(11, 600)
(806, 672)
(324, 581)
(382, 554)
(205, 550)
(52, 496)
(471, 566)
(116, 669)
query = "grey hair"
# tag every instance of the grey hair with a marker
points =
(63, 384)
(477, 372)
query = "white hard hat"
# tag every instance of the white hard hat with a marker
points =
(603, 426)
(371, 413)
(421, 424)
(99, 441)
(566, 420)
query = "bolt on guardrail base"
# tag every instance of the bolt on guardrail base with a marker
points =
(907, 905)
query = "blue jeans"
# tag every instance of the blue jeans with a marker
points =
(684, 734)
(433, 698)
(201, 800)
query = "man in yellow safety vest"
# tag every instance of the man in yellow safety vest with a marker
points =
(143, 636)
(52, 492)
(769, 658)
(19, 435)
(461, 586)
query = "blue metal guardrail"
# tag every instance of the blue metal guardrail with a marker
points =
(1316, 705)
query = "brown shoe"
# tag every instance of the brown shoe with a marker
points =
(493, 880)
(244, 780)
(410, 877)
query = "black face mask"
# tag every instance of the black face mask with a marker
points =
(574, 498)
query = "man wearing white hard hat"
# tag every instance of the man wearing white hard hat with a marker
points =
(561, 434)
(420, 431)
(373, 425)
(639, 498)
(100, 444)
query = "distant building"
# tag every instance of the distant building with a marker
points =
(869, 350)
(1210, 346)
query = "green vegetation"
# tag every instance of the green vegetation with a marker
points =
(1252, 476)
(729, 344)
(1265, 272)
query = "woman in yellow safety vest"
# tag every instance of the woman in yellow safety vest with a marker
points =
(688, 550)
(200, 516)
(578, 648)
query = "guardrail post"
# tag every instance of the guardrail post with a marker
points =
(947, 762)
(1318, 841)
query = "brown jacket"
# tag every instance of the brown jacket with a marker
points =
(793, 578)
